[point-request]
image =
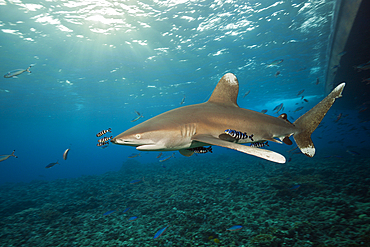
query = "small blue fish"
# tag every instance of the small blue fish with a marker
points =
(300, 92)
(246, 93)
(182, 101)
(298, 109)
(160, 232)
(165, 159)
(295, 187)
(364, 66)
(278, 107)
(138, 117)
(14, 73)
(51, 164)
(133, 218)
(235, 228)
(126, 210)
(354, 153)
(134, 156)
(109, 212)
(275, 63)
(338, 117)
(136, 181)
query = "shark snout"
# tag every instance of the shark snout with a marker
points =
(116, 140)
(125, 141)
(121, 141)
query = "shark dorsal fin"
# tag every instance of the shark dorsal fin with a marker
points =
(226, 91)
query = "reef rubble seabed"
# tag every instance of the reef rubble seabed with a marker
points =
(306, 202)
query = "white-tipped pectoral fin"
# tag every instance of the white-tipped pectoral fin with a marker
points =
(261, 153)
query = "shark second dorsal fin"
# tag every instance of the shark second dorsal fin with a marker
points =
(226, 91)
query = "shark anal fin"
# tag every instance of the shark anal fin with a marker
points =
(287, 141)
(186, 152)
(261, 153)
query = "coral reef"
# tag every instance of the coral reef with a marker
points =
(199, 198)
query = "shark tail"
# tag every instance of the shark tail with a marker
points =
(309, 121)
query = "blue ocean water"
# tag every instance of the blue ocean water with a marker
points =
(94, 63)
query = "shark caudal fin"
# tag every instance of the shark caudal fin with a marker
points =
(309, 121)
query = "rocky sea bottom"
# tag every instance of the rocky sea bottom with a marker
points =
(306, 202)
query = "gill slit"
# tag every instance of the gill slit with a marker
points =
(188, 130)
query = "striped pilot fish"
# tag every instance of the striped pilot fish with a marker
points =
(103, 132)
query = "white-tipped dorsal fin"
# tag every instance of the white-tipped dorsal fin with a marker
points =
(226, 91)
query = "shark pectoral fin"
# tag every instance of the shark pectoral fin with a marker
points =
(261, 153)
(186, 152)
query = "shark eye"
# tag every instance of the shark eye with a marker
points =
(138, 136)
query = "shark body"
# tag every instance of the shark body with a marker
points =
(204, 124)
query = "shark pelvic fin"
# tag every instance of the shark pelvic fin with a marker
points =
(186, 152)
(309, 121)
(226, 91)
(261, 153)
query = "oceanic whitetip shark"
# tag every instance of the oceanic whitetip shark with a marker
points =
(207, 123)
